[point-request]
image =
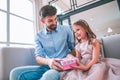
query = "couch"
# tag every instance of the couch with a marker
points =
(12, 57)
(111, 46)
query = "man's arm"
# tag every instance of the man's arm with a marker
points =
(70, 38)
(42, 61)
(52, 63)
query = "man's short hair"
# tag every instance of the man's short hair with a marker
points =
(47, 10)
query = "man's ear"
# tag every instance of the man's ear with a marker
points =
(42, 20)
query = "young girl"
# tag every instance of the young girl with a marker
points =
(90, 65)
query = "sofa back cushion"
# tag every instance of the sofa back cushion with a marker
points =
(111, 46)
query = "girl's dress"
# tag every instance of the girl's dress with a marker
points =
(105, 69)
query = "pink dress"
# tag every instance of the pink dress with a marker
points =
(105, 69)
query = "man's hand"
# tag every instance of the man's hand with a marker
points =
(54, 64)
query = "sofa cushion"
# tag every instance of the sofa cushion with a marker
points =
(111, 46)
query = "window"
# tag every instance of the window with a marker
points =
(23, 8)
(16, 23)
(3, 4)
(3, 23)
(23, 29)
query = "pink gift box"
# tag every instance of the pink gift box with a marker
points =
(66, 63)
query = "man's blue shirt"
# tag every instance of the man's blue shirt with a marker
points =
(55, 44)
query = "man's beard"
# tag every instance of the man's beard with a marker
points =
(51, 27)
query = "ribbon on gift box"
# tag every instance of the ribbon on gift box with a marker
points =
(66, 63)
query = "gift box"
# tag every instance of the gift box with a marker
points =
(66, 63)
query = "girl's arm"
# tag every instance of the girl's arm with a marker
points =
(72, 54)
(95, 54)
(95, 57)
(78, 55)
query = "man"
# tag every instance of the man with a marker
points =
(52, 43)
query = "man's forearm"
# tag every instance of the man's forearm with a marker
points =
(42, 61)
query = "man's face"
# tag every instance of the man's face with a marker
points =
(51, 22)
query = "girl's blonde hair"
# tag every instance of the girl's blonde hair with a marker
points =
(89, 32)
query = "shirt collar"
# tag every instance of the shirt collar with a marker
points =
(46, 32)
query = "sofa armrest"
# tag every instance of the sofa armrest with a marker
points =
(11, 57)
(21, 69)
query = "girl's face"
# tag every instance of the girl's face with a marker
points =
(79, 32)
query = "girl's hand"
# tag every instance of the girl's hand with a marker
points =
(76, 67)
(70, 56)
(80, 66)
